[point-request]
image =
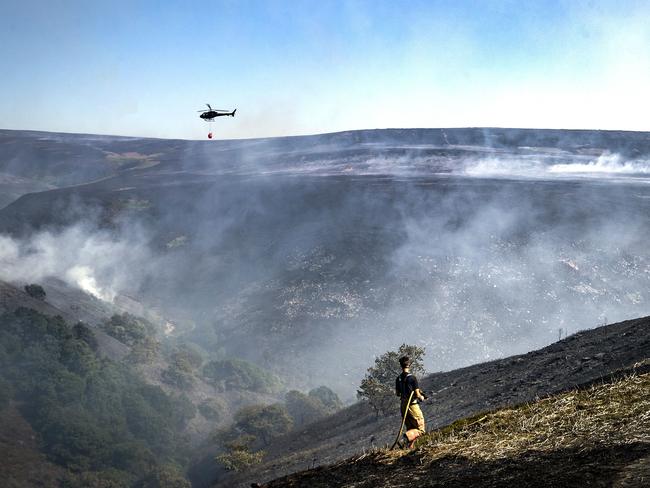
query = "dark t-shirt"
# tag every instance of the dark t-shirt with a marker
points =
(405, 383)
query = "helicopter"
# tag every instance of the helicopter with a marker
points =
(210, 114)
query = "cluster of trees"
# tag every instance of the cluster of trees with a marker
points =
(378, 385)
(252, 429)
(213, 409)
(307, 408)
(97, 418)
(128, 328)
(238, 454)
(236, 374)
(255, 426)
(135, 332)
(184, 362)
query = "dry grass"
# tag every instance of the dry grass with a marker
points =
(609, 414)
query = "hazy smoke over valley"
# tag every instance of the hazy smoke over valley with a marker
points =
(312, 255)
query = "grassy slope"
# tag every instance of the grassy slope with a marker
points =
(599, 436)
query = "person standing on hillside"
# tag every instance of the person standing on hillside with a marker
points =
(407, 388)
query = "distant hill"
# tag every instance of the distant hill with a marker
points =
(38, 161)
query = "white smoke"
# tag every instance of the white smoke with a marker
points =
(606, 163)
(606, 166)
(99, 262)
(508, 168)
(83, 277)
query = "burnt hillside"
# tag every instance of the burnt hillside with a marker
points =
(582, 358)
(598, 436)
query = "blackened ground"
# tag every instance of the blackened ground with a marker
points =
(618, 466)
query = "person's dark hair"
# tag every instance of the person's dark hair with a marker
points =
(405, 362)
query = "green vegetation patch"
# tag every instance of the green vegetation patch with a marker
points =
(132, 159)
(305, 409)
(213, 409)
(184, 361)
(128, 328)
(35, 291)
(236, 374)
(93, 415)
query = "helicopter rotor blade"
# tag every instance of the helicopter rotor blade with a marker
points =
(209, 107)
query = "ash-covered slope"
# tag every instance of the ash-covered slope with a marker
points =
(477, 243)
(583, 358)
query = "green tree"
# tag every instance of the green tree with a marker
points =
(165, 476)
(35, 291)
(132, 457)
(183, 410)
(128, 328)
(77, 356)
(238, 454)
(304, 409)
(69, 386)
(378, 386)
(145, 351)
(145, 422)
(327, 397)
(82, 332)
(263, 422)
(179, 374)
(190, 354)
(105, 478)
(213, 409)
(235, 374)
(73, 438)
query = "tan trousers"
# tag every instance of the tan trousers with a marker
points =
(414, 420)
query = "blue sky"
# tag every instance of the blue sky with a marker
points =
(301, 67)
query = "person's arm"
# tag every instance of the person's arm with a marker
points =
(397, 391)
(416, 389)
